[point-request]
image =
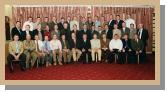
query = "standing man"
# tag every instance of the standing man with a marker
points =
(97, 23)
(56, 48)
(119, 21)
(124, 30)
(65, 31)
(74, 21)
(129, 21)
(38, 31)
(38, 22)
(52, 23)
(108, 32)
(27, 31)
(143, 35)
(16, 53)
(133, 31)
(44, 23)
(61, 23)
(17, 30)
(85, 31)
(29, 50)
(111, 22)
(30, 23)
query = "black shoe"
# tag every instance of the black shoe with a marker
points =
(23, 69)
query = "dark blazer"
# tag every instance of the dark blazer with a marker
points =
(126, 44)
(119, 23)
(85, 45)
(104, 44)
(94, 32)
(51, 25)
(15, 31)
(136, 46)
(144, 36)
(73, 45)
(36, 33)
(89, 25)
(24, 34)
(88, 32)
(111, 24)
(67, 44)
(109, 34)
(127, 31)
(60, 26)
(77, 34)
(65, 32)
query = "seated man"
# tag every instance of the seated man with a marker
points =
(66, 49)
(16, 53)
(137, 48)
(74, 46)
(56, 48)
(115, 47)
(29, 50)
(47, 51)
(96, 48)
(104, 47)
(127, 49)
(86, 49)
(39, 51)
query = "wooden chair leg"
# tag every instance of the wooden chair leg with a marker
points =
(115, 58)
(96, 57)
(126, 58)
(86, 58)
(138, 59)
(37, 62)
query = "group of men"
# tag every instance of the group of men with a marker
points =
(87, 40)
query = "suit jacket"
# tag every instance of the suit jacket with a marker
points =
(15, 31)
(144, 36)
(43, 25)
(29, 46)
(67, 44)
(65, 32)
(88, 32)
(109, 34)
(111, 24)
(60, 26)
(127, 31)
(119, 23)
(126, 44)
(136, 46)
(36, 33)
(74, 45)
(52, 24)
(12, 47)
(77, 34)
(104, 44)
(24, 34)
(85, 45)
(89, 25)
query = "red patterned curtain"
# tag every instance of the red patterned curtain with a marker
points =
(140, 14)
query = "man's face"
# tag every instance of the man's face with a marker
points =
(63, 37)
(27, 28)
(125, 36)
(46, 20)
(140, 26)
(106, 27)
(75, 18)
(111, 17)
(116, 37)
(85, 27)
(54, 18)
(38, 19)
(54, 37)
(95, 36)
(136, 36)
(84, 37)
(74, 27)
(123, 25)
(55, 27)
(118, 17)
(115, 26)
(30, 19)
(93, 27)
(68, 18)
(99, 28)
(65, 25)
(18, 24)
(16, 38)
(131, 26)
(62, 20)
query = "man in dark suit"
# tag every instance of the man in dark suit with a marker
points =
(93, 31)
(119, 22)
(127, 49)
(124, 30)
(86, 49)
(27, 32)
(85, 31)
(108, 32)
(39, 32)
(144, 36)
(65, 31)
(17, 30)
(137, 48)
(111, 22)
(60, 24)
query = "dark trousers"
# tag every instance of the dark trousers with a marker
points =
(129, 56)
(119, 54)
(134, 57)
(105, 54)
(83, 57)
(22, 60)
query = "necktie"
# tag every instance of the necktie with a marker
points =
(40, 35)
(17, 47)
(46, 45)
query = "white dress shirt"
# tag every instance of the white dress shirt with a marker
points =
(28, 23)
(115, 44)
(40, 44)
(95, 43)
(72, 24)
(140, 33)
(55, 45)
(130, 21)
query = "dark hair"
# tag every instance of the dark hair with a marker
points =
(17, 22)
(118, 15)
(28, 26)
(38, 17)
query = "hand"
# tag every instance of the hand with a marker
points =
(89, 50)
(111, 50)
(137, 52)
(130, 50)
(140, 51)
(17, 57)
(123, 50)
(83, 50)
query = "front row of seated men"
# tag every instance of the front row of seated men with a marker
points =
(28, 52)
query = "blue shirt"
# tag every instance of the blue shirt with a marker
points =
(46, 46)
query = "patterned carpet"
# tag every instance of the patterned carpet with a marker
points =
(96, 71)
